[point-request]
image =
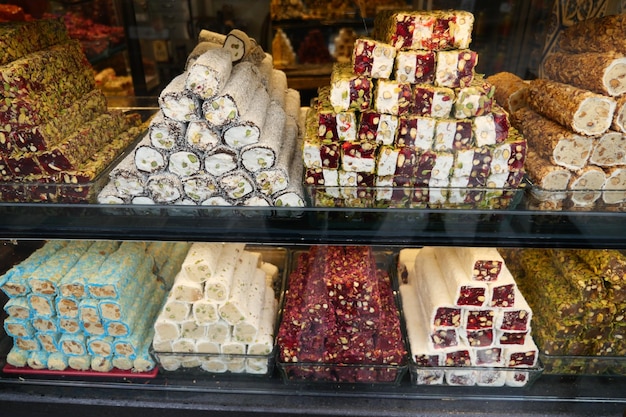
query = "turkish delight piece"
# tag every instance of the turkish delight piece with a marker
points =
(263, 154)
(239, 45)
(334, 126)
(415, 66)
(503, 290)
(437, 301)
(586, 186)
(545, 175)
(440, 178)
(488, 356)
(164, 188)
(433, 101)
(393, 97)
(581, 110)
(604, 71)
(416, 132)
(609, 150)
(516, 318)
(478, 338)
(453, 135)
(358, 156)
(166, 133)
(474, 100)
(551, 140)
(200, 136)
(177, 103)
(208, 75)
(481, 264)
(18, 39)
(525, 355)
(148, 159)
(376, 126)
(349, 91)
(613, 190)
(578, 274)
(511, 91)
(371, 58)
(200, 187)
(593, 35)
(619, 118)
(458, 281)
(507, 338)
(249, 127)
(491, 128)
(455, 68)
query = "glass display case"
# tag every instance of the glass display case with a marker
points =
(571, 384)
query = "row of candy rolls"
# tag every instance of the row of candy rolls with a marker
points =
(456, 317)
(410, 114)
(88, 305)
(222, 303)
(225, 134)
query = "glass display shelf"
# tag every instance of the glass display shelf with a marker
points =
(391, 227)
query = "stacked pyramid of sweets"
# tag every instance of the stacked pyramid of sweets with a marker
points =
(410, 116)
(575, 118)
(462, 308)
(56, 133)
(226, 134)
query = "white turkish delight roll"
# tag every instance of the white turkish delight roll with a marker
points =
(481, 264)
(199, 187)
(127, 179)
(149, 159)
(263, 342)
(192, 330)
(186, 289)
(233, 347)
(248, 128)
(184, 163)
(216, 38)
(177, 103)
(237, 184)
(218, 286)
(458, 280)
(209, 73)
(437, 301)
(418, 328)
(176, 310)
(201, 48)
(371, 58)
(235, 309)
(166, 329)
(201, 261)
(293, 195)
(238, 44)
(278, 87)
(235, 97)
(166, 133)
(109, 195)
(455, 68)
(263, 154)
(221, 161)
(218, 332)
(200, 136)
(164, 188)
(216, 201)
(206, 346)
(142, 200)
(415, 66)
(117, 271)
(247, 330)
(205, 311)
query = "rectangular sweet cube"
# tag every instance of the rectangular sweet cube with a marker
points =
(358, 156)
(349, 91)
(455, 69)
(453, 135)
(525, 355)
(371, 58)
(379, 127)
(488, 356)
(393, 97)
(415, 66)
(433, 101)
(479, 338)
(478, 318)
(474, 100)
(333, 125)
(416, 131)
(481, 167)
(491, 128)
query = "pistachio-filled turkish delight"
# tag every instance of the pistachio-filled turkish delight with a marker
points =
(415, 66)
(208, 75)
(455, 68)
(371, 58)
(18, 39)
(177, 103)
(392, 97)
(433, 101)
(349, 91)
(334, 126)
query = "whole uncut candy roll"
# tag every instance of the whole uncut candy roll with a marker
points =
(45, 279)
(264, 153)
(208, 75)
(604, 72)
(553, 141)
(248, 128)
(276, 179)
(177, 103)
(599, 34)
(511, 91)
(580, 110)
(239, 45)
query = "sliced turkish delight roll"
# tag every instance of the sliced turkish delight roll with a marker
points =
(42, 137)
(491, 128)
(507, 162)
(415, 66)
(586, 186)
(271, 181)
(453, 135)
(19, 39)
(166, 133)
(199, 187)
(264, 153)
(376, 126)
(594, 35)
(236, 96)
(45, 279)
(349, 91)
(464, 290)
(433, 101)
(147, 158)
(14, 282)
(474, 100)
(200, 136)
(393, 97)
(220, 161)
(545, 175)
(416, 131)
(511, 91)
(208, 75)
(551, 140)
(614, 190)
(438, 303)
(239, 45)
(293, 195)
(578, 109)
(18, 328)
(605, 72)
(358, 156)
(430, 30)
(277, 87)
(609, 150)
(177, 103)
(236, 184)
(164, 188)
(248, 128)
(455, 69)
(184, 163)
(371, 58)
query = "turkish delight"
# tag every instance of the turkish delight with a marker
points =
(264, 154)
(416, 131)
(594, 35)
(177, 103)
(166, 133)
(376, 126)
(455, 69)
(373, 59)
(453, 135)
(473, 100)
(415, 66)
(511, 92)
(209, 73)
(248, 128)
(349, 91)
(19, 39)
(458, 280)
(393, 97)
(433, 101)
